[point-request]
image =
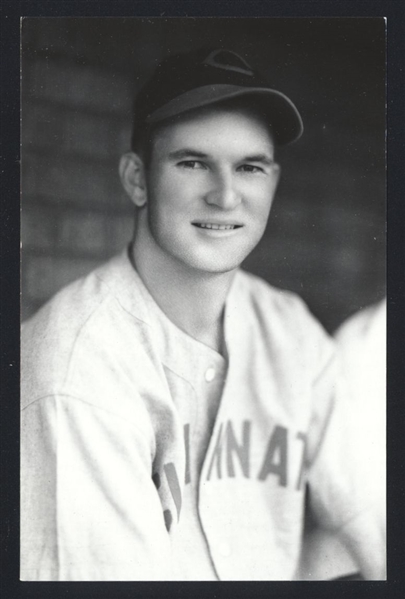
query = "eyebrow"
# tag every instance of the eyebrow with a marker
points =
(263, 158)
(188, 152)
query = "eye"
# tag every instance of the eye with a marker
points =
(250, 168)
(191, 164)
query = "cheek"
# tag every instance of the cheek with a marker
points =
(167, 215)
(261, 201)
(159, 201)
(169, 195)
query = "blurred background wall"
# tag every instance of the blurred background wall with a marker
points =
(326, 236)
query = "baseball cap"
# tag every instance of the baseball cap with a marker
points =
(202, 77)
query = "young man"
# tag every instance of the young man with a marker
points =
(174, 407)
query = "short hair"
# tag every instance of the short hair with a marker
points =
(142, 143)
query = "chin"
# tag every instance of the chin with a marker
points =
(206, 260)
(218, 263)
(214, 266)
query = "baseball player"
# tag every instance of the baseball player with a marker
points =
(362, 346)
(174, 407)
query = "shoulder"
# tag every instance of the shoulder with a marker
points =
(68, 310)
(79, 324)
(280, 320)
(361, 342)
(364, 325)
(274, 303)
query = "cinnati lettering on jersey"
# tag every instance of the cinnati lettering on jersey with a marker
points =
(280, 461)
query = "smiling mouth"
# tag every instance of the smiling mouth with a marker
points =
(216, 227)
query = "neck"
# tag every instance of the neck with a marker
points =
(193, 300)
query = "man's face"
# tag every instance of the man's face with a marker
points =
(210, 186)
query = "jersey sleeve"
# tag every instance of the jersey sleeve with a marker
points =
(344, 494)
(89, 508)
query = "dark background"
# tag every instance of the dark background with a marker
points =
(326, 235)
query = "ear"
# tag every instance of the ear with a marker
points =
(132, 174)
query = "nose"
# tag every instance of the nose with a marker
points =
(224, 192)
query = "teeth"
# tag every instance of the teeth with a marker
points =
(217, 227)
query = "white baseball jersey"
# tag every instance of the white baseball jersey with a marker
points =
(362, 346)
(148, 456)
(362, 342)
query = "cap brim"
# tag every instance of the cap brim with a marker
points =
(280, 111)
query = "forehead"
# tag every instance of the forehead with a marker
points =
(217, 125)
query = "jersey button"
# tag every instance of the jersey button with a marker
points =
(210, 374)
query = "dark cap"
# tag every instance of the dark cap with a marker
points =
(202, 77)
